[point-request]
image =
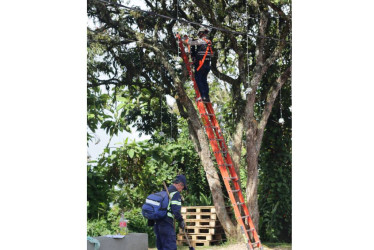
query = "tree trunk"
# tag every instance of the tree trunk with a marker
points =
(252, 183)
(237, 146)
(202, 148)
(201, 144)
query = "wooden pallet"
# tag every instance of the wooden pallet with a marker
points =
(197, 237)
(201, 230)
(198, 243)
(199, 209)
(202, 226)
(199, 216)
(202, 223)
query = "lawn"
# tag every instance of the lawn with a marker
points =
(240, 246)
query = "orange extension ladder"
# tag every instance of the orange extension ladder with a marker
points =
(224, 161)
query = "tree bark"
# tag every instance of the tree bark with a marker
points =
(252, 182)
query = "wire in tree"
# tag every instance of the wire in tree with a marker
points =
(178, 22)
(248, 90)
(161, 132)
(281, 120)
(171, 124)
(246, 14)
(186, 21)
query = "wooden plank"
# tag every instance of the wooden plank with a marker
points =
(199, 216)
(198, 209)
(202, 223)
(197, 237)
(199, 230)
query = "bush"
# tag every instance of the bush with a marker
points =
(98, 227)
(138, 224)
(110, 224)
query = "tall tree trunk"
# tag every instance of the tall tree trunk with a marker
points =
(237, 146)
(201, 144)
(252, 183)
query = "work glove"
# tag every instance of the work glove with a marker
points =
(182, 225)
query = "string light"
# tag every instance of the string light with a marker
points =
(281, 120)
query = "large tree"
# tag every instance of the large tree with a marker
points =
(137, 51)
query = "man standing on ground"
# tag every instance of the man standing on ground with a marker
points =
(201, 54)
(164, 229)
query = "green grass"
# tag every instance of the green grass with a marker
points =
(271, 245)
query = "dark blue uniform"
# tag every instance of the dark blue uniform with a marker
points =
(201, 74)
(201, 78)
(164, 229)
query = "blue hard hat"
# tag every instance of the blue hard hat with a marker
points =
(182, 179)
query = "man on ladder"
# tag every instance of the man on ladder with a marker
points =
(201, 53)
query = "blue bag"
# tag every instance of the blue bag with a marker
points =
(155, 206)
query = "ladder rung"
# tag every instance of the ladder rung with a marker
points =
(235, 190)
(222, 152)
(215, 139)
(246, 216)
(207, 114)
(226, 165)
(230, 178)
(251, 230)
(240, 203)
(213, 127)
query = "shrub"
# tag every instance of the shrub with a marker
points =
(110, 224)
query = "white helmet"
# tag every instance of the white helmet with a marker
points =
(202, 30)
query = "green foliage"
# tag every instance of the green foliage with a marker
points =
(109, 225)
(97, 191)
(275, 177)
(137, 223)
(98, 227)
(128, 174)
(199, 199)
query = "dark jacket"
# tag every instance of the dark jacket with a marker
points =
(175, 205)
(198, 50)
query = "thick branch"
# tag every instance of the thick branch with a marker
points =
(220, 75)
(272, 95)
(113, 81)
(278, 10)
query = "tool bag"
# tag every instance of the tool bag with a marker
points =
(155, 206)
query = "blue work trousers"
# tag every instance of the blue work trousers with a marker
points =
(201, 80)
(165, 235)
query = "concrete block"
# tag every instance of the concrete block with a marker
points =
(133, 241)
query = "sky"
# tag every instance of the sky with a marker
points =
(97, 145)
